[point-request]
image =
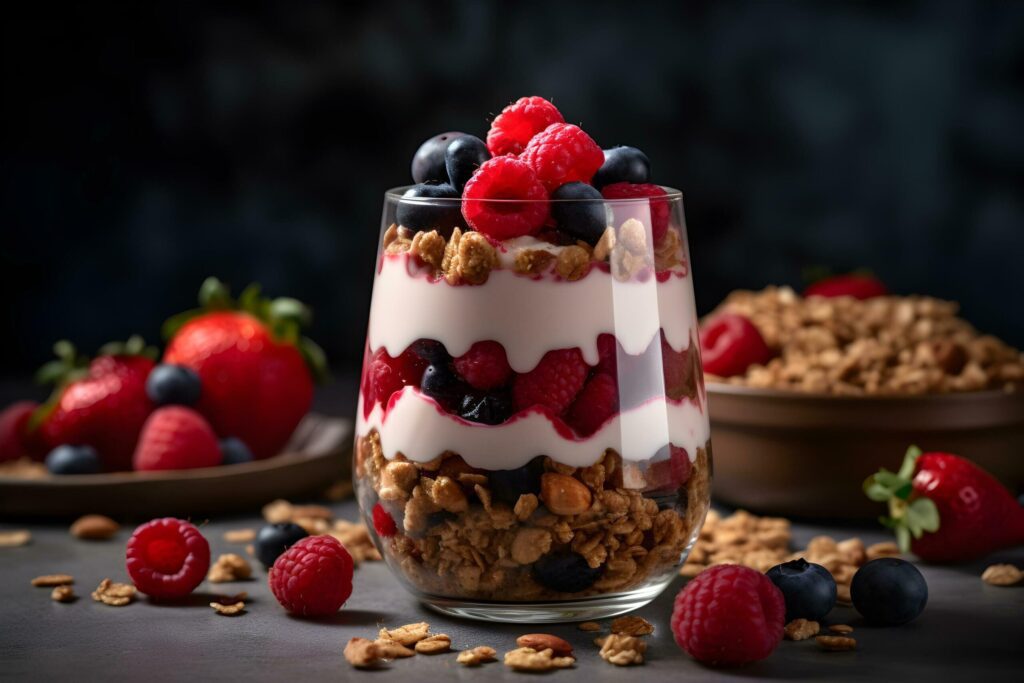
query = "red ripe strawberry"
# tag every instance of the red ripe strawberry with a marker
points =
(14, 430)
(729, 344)
(103, 405)
(252, 363)
(485, 366)
(517, 123)
(554, 383)
(596, 403)
(857, 285)
(176, 438)
(945, 508)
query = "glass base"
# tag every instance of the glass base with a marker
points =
(584, 609)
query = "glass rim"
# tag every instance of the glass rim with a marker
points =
(395, 194)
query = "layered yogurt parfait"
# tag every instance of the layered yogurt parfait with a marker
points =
(532, 431)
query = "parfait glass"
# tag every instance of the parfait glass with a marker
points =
(532, 438)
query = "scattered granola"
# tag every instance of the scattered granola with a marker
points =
(801, 629)
(63, 594)
(843, 595)
(229, 610)
(1002, 575)
(389, 649)
(240, 535)
(836, 643)
(590, 626)
(632, 626)
(94, 528)
(841, 629)
(623, 650)
(528, 659)
(356, 539)
(885, 549)
(13, 539)
(23, 468)
(435, 644)
(410, 634)
(362, 653)
(229, 567)
(477, 656)
(545, 641)
(50, 580)
(113, 594)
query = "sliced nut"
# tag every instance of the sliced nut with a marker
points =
(113, 594)
(841, 629)
(564, 495)
(545, 641)
(228, 610)
(389, 649)
(49, 580)
(801, 629)
(589, 626)
(1002, 575)
(836, 643)
(477, 656)
(623, 650)
(528, 659)
(94, 528)
(885, 549)
(229, 567)
(13, 539)
(362, 653)
(410, 634)
(632, 626)
(240, 536)
(432, 645)
(63, 594)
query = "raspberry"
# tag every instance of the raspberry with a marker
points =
(167, 558)
(484, 366)
(856, 285)
(312, 578)
(677, 370)
(671, 473)
(176, 438)
(729, 344)
(608, 352)
(554, 383)
(512, 129)
(597, 402)
(386, 374)
(660, 208)
(383, 522)
(486, 203)
(562, 154)
(729, 615)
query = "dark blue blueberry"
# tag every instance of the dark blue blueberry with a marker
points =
(809, 589)
(566, 572)
(428, 162)
(463, 157)
(889, 591)
(73, 460)
(427, 214)
(430, 351)
(623, 165)
(234, 451)
(488, 409)
(582, 214)
(274, 539)
(436, 518)
(508, 485)
(173, 385)
(441, 384)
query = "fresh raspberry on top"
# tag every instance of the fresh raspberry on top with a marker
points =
(488, 200)
(596, 403)
(387, 374)
(729, 344)
(383, 522)
(512, 129)
(660, 208)
(729, 615)
(176, 438)
(485, 366)
(562, 153)
(167, 558)
(554, 383)
(313, 577)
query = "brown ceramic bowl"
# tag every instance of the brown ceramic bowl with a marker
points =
(806, 455)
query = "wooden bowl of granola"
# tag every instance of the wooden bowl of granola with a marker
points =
(318, 455)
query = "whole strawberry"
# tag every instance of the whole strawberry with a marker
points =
(255, 368)
(102, 404)
(944, 508)
(857, 285)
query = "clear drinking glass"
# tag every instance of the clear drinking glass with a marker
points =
(532, 435)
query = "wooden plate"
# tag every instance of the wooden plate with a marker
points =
(317, 455)
(795, 454)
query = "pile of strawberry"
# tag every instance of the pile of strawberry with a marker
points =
(531, 156)
(235, 380)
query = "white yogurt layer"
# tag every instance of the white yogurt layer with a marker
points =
(419, 429)
(528, 316)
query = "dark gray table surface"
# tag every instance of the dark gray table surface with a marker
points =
(969, 631)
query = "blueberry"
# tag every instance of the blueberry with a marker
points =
(441, 384)
(809, 589)
(889, 591)
(566, 572)
(430, 351)
(73, 460)
(274, 539)
(488, 409)
(463, 157)
(508, 485)
(426, 214)
(582, 214)
(623, 165)
(234, 451)
(173, 385)
(428, 162)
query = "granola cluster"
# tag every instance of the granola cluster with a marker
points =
(317, 520)
(887, 345)
(456, 538)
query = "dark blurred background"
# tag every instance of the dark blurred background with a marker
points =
(149, 145)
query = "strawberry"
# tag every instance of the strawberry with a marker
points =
(255, 368)
(14, 430)
(729, 344)
(176, 438)
(945, 508)
(102, 405)
(857, 285)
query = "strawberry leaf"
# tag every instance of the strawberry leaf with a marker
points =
(909, 516)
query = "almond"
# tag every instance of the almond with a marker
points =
(564, 495)
(545, 641)
(94, 528)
